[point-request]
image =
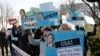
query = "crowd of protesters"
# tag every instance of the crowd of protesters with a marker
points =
(32, 41)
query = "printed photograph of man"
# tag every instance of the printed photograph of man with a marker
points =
(50, 38)
(41, 15)
(22, 14)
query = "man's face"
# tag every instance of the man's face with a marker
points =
(50, 39)
(40, 15)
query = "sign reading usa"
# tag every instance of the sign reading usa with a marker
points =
(65, 43)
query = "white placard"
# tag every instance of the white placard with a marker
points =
(80, 23)
(72, 51)
(30, 23)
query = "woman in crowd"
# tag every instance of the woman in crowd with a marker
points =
(31, 41)
(8, 33)
(3, 41)
(43, 40)
(35, 41)
(24, 42)
(19, 30)
(14, 35)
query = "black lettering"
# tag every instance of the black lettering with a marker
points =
(63, 55)
(30, 25)
(51, 15)
(69, 42)
(29, 19)
(25, 20)
(64, 43)
(34, 24)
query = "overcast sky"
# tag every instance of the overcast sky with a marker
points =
(26, 4)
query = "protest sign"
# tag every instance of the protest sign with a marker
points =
(76, 18)
(12, 21)
(65, 43)
(29, 23)
(48, 18)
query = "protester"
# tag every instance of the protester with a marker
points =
(87, 34)
(19, 30)
(14, 35)
(9, 32)
(37, 36)
(23, 35)
(24, 42)
(3, 41)
(43, 40)
(33, 42)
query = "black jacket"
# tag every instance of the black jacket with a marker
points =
(14, 32)
(38, 34)
(2, 38)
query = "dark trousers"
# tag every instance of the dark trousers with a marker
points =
(35, 50)
(10, 47)
(2, 49)
(85, 46)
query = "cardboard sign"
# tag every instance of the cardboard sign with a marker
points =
(65, 44)
(12, 21)
(29, 23)
(46, 18)
(76, 18)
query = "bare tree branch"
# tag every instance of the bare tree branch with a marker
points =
(6, 13)
(94, 14)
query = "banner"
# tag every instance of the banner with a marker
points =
(17, 51)
(65, 43)
(46, 18)
(29, 23)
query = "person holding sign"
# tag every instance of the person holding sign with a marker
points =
(87, 34)
(43, 40)
(22, 13)
(34, 40)
(3, 42)
(50, 40)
